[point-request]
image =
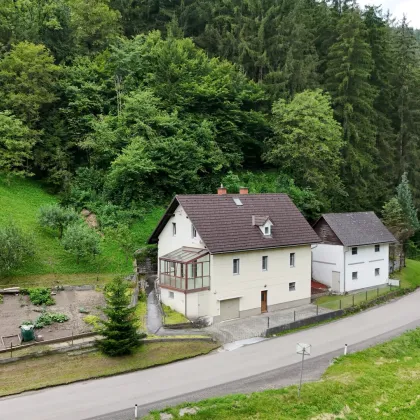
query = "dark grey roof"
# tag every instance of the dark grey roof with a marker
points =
(362, 228)
(227, 227)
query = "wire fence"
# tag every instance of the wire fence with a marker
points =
(334, 302)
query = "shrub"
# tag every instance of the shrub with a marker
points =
(39, 295)
(15, 248)
(81, 241)
(92, 320)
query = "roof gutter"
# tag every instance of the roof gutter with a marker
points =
(263, 248)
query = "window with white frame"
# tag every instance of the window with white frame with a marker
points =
(377, 271)
(377, 248)
(265, 263)
(171, 295)
(193, 232)
(292, 259)
(354, 250)
(354, 275)
(173, 229)
(292, 286)
(236, 266)
(267, 230)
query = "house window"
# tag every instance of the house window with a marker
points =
(292, 259)
(173, 229)
(377, 270)
(292, 287)
(193, 232)
(171, 295)
(354, 275)
(377, 248)
(236, 266)
(267, 230)
(354, 251)
(265, 263)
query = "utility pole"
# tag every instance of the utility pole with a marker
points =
(304, 350)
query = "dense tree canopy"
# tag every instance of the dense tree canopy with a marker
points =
(124, 102)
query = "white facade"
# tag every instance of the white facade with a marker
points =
(285, 285)
(337, 267)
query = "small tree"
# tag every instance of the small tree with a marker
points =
(405, 198)
(81, 241)
(119, 331)
(56, 217)
(123, 237)
(15, 248)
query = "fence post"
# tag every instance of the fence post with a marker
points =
(353, 300)
(11, 350)
(294, 316)
(340, 303)
(268, 322)
(377, 291)
(71, 337)
(317, 310)
(366, 295)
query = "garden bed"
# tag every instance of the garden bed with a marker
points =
(16, 309)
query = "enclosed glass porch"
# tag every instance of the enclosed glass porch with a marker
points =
(185, 269)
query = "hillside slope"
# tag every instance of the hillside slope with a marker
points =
(19, 204)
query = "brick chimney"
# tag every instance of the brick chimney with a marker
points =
(221, 190)
(243, 190)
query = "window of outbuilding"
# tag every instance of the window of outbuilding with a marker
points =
(377, 248)
(354, 275)
(354, 250)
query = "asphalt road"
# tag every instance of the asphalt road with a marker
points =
(271, 363)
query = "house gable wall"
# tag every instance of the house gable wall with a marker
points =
(169, 243)
(326, 259)
(327, 235)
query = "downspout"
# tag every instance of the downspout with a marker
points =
(345, 267)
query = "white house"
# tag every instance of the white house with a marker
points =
(225, 256)
(354, 253)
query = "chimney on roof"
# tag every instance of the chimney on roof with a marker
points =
(243, 190)
(221, 190)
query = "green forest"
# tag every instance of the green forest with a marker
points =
(117, 105)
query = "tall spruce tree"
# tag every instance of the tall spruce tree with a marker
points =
(119, 330)
(349, 69)
(407, 118)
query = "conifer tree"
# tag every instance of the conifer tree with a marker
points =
(119, 330)
(348, 73)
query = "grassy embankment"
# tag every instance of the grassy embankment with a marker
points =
(57, 369)
(19, 204)
(382, 381)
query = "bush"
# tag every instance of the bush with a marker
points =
(81, 241)
(39, 295)
(15, 248)
(92, 320)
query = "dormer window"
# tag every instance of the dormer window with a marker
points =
(267, 230)
(193, 232)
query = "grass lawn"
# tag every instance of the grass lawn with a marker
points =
(19, 204)
(379, 382)
(65, 368)
(333, 302)
(173, 317)
(410, 275)
(140, 315)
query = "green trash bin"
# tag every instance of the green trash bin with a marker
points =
(28, 333)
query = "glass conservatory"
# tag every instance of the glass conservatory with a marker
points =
(185, 269)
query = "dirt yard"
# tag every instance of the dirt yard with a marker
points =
(16, 309)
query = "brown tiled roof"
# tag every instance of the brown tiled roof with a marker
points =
(260, 220)
(361, 228)
(227, 227)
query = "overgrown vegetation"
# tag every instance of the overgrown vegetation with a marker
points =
(94, 321)
(371, 384)
(39, 295)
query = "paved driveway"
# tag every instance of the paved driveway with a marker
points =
(256, 326)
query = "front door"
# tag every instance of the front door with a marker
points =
(264, 301)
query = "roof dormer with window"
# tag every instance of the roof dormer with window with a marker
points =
(264, 223)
